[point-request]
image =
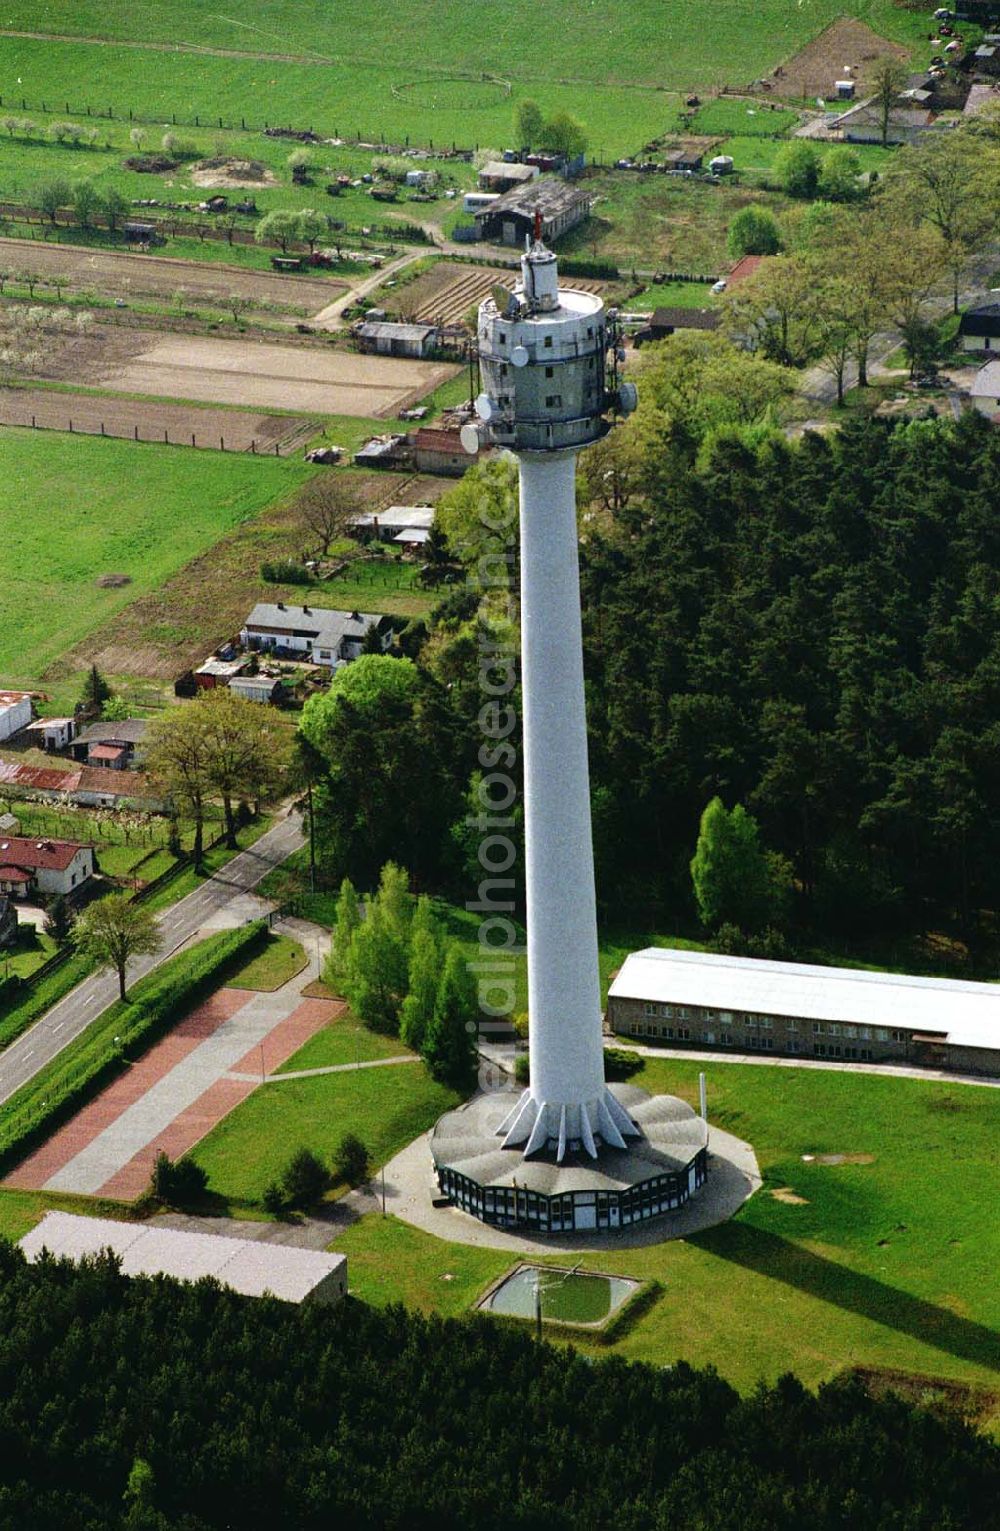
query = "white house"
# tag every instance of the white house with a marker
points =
(29, 866)
(15, 712)
(979, 328)
(312, 633)
(985, 390)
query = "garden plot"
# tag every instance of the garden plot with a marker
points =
(267, 376)
(445, 294)
(228, 430)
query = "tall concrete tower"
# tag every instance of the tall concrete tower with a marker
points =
(571, 1152)
(542, 355)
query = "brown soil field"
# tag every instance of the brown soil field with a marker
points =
(815, 70)
(115, 275)
(235, 175)
(264, 375)
(172, 629)
(447, 292)
(229, 430)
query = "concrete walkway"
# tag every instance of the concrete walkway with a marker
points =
(331, 1068)
(143, 1124)
(223, 901)
(768, 1060)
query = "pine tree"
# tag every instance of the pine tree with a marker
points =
(424, 974)
(95, 690)
(450, 1039)
(346, 921)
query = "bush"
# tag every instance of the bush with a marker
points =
(621, 1063)
(796, 169)
(352, 1161)
(522, 1068)
(177, 1184)
(285, 571)
(273, 1199)
(754, 231)
(305, 1179)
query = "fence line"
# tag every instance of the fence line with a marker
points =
(78, 429)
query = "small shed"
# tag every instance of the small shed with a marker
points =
(257, 688)
(437, 451)
(15, 712)
(665, 321)
(501, 177)
(387, 523)
(387, 337)
(53, 733)
(218, 672)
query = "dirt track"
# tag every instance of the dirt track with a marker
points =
(125, 276)
(261, 375)
(174, 423)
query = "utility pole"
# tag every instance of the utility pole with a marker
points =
(312, 839)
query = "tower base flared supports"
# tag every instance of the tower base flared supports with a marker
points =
(562, 1129)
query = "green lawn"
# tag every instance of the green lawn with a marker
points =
(386, 1107)
(889, 1263)
(30, 950)
(266, 970)
(62, 525)
(344, 1040)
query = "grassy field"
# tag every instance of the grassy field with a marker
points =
(62, 526)
(886, 1263)
(429, 80)
(386, 1107)
(345, 1040)
(275, 964)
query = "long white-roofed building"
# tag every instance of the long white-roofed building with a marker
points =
(743, 1004)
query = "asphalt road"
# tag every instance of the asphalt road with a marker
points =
(49, 1035)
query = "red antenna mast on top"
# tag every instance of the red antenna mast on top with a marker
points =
(538, 225)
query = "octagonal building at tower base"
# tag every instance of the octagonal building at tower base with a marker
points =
(657, 1173)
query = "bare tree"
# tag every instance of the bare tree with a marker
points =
(888, 80)
(327, 505)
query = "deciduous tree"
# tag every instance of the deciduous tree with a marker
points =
(114, 930)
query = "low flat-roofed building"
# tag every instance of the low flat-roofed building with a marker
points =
(511, 218)
(389, 337)
(743, 1004)
(15, 712)
(249, 1266)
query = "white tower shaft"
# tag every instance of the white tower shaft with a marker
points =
(567, 1104)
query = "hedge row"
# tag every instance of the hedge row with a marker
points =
(89, 1063)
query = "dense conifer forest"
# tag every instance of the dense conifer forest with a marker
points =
(155, 1405)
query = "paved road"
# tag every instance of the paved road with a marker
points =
(223, 894)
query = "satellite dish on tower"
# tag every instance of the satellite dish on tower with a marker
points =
(485, 407)
(469, 436)
(519, 356)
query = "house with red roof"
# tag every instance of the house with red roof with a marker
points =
(29, 867)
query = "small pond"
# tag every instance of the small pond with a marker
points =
(568, 1296)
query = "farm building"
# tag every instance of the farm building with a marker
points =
(389, 451)
(257, 688)
(86, 786)
(909, 119)
(53, 733)
(685, 160)
(437, 451)
(15, 712)
(249, 1266)
(985, 390)
(387, 337)
(979, 328)
(218, 672)
(665, 321)
(500, 176)
(385, 525)
(511, 219)
(29, 867)
(111, 746)
(306, 632)
(700, 999)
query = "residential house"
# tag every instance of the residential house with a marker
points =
(87, 786)
(112, 746)
(15, 712)
(29, 867)
(385, 525)
(317, 635)
(985, 390)
(979, 327)
(511, 218)
(909, 119)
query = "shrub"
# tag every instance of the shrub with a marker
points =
(352, 1161)
(621, 1063)
(522, 1068)
(754, 231)
(305, 1179)
(796, 169)
(273, 1199)
(285, 571)
(177, 1183)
